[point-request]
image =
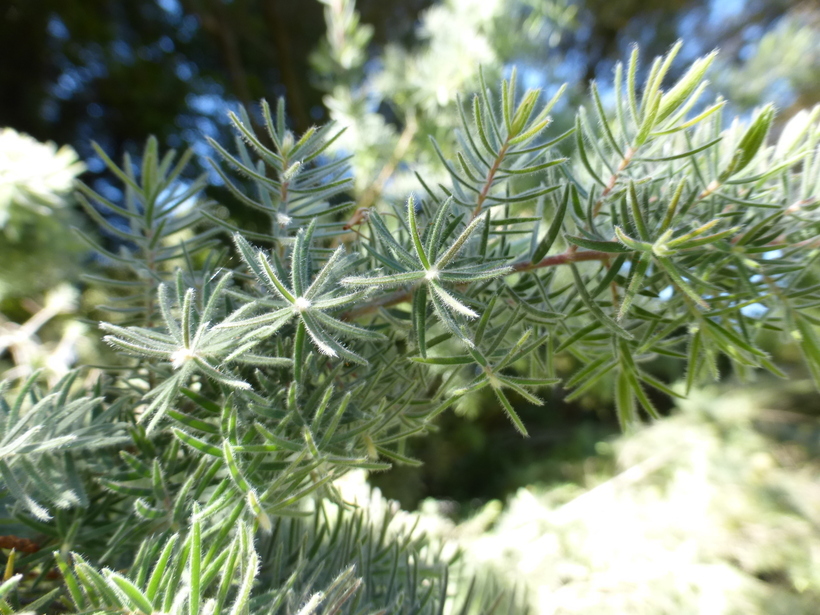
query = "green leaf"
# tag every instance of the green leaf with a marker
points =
(388, 281)
(671, 270)
(593, 307)
(602, 119)
(195, 563)
(579, 334)
(135, 596)
(809, 343)
(452, 360)
(650, 118)
(511, 413)
(523, 112)
(196, 443)
(750, 143)
(457, 244)
(555, 228)
(637, 215)
(635, 284)
(686, 154)
(70, 581)
(414, 233)
(694, 121)
(272, 279)
(397, 457)
(420, 319)
(160, 568)
(632, 244)
(624, 401)
(687, 84)
(582, 151)
(657, 384)
(641, 395)
(612, 247)
(534, 168)
(480, 125)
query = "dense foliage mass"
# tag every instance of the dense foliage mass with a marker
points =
(258, 367)
(712, 508)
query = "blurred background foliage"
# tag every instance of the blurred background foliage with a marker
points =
(713, 510)
(389, 72)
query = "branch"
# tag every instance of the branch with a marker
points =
(563, 259)
(403, 296)
(613, 180)
(490, 177)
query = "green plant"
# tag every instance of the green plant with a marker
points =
(255, 375)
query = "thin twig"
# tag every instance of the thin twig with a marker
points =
(490, 177)
(403, 296)
(613, 180)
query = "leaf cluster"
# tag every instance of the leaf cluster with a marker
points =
(255, 375)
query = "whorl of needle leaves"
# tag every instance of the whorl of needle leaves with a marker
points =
(259, 378)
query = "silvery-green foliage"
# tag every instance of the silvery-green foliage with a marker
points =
(157, 206)
(303, 180)
(417, 86)
(39, 435)
(257, 374)
(305, 566)
(431, 268)
(305, 299)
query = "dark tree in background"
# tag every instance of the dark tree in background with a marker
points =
(116, 71)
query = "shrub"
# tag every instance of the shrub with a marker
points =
(258, 367)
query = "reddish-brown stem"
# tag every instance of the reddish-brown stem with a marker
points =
(563, 259)
(402, 296)
(610, 186)
(490, 177)
(796, 207)
(708, 190)
(23, 545)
